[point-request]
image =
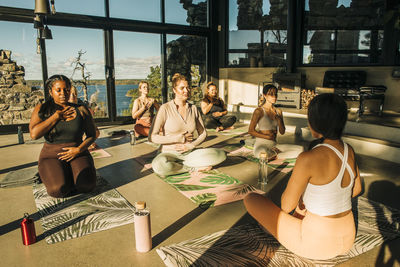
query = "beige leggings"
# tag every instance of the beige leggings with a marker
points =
(314, 236)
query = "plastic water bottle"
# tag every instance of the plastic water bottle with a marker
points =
(142, 227)
(263, 169)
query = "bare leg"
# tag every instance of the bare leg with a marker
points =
(264, 211)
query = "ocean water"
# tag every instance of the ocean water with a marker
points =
(120, 93)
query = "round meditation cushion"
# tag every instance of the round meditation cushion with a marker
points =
(204, 157)
(168, 163)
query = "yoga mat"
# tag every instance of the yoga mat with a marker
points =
(234, 131)
(248, 245)
(281, 163)
(25, 176)
(79, 215)
(99, 153)
(210, 188)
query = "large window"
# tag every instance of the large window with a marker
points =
(187, 55)
(193, 13)
(18, 3)
(20, 73)
(148, 10)
(257, 33)
(136, 57)
(344, 32)
(73, 49)
(105, 58)
(87, 7)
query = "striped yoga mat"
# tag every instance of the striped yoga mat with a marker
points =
(79, 215)
(248, 245)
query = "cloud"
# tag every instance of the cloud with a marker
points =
(32, 64)
(125, 68)
(135, 68)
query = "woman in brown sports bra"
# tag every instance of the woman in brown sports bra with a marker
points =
(143, 110)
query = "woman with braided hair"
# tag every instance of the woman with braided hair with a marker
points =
(65, 164)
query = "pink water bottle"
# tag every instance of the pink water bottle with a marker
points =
(142, 227)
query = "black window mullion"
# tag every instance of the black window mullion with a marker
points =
(109, 72)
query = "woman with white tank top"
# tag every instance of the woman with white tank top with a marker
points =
(269, 120)
(319, 190)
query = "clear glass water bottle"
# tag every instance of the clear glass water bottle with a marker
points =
(263, 168)
(142, 227)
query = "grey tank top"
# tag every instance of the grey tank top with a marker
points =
(265, 123)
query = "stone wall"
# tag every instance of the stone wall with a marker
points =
(17, 99)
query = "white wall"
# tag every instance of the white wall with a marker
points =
(240, 85)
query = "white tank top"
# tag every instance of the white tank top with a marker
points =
(331, 198)
(265, 123)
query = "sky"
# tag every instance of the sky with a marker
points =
(134, 53)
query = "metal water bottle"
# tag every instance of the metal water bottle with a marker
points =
(132, 137)
(20, 135)
(28, 230)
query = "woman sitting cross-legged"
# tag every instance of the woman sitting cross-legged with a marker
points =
(320, 189)
(214, 110)
(269, 119)
(174, 128)
(143, 110)
(65, 165)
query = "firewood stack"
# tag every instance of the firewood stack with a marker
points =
(306, 96)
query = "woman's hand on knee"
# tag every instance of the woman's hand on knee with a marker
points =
(69, 154)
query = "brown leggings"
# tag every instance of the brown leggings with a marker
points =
(61, 177)
(142, 127)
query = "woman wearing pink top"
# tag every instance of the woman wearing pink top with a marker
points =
(179, 128)
(320, 189)
(177, 121)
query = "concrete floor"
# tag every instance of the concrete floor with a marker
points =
(174, 217)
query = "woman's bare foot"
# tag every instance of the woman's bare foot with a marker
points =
(93, 146)
(230, 128)
(219, 128)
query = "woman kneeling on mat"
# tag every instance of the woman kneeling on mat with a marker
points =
(143, 110)
(320, 189)
(174, 128)
(65, 164)
(214, 110)
(269, 119)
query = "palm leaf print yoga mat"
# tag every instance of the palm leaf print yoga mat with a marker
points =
(210, 188)
(249, 245)
(284, 162)
(79, 215)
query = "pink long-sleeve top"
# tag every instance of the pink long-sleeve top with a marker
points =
(175, 127)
